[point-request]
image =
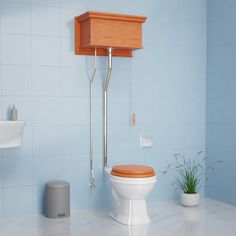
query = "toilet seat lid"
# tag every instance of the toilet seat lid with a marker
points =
(133, 171)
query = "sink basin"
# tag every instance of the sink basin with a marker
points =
(11, 133)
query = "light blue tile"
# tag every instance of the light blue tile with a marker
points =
(180, 83)
(68, 57)
(122, 141)
(47, 141)
(75, 82)
(216, 187)
(72, 166)
(222, 56)
(82, 197)
(223, 153)
(75, 111)
(23, 105)
(97, 135)
(45, 51)
(214, 9)
(215, 136)
(53, 3)
(1, 168)
(79, 5)
(146, 109)
(16, 80)
(15, 49)
(0, 83)
(168, 57)
(46, 168)
(17, 1)
(97, 111)
(151, 8)
(162, 110)
(120, 82)
(17, 171)
(220, 129)
(221, 110)
(1, 202)
(231, 138)
(15, 14)
(221, 31)
(67, 21)
(217, 9)
(182, 9)
(38, 199)
(74, 140)
(218, 173)
(106, 6)
(221, 85)
(45, 21)
(180, 136)
(13, 208)
(143, 9)
(25, 150)
(46, 111)
(119, 110)
(67, 17)
(46, 81)
(1, 117)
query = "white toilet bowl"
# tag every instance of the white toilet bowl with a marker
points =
(129, 194)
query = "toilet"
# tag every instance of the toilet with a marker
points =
(130, 186)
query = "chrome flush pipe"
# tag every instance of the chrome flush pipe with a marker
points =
(92, 177)
(105, 106)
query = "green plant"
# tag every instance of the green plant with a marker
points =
(189, 174)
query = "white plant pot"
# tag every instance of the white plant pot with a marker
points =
(190, 199)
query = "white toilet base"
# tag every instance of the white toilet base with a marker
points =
(131, 212)
(130, 197)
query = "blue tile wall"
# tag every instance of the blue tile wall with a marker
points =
(221, 99)
(164, 84)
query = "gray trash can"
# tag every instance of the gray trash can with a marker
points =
(57, 199)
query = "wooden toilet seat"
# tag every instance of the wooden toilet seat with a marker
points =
(133, 171)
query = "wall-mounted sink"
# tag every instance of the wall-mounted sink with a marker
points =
(11, 133)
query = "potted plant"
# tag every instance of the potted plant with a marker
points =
(189, 175)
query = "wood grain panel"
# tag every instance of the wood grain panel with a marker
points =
(103, 30)
(115, 34)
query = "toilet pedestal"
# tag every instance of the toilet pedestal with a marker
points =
(131, 184)
(129, 212)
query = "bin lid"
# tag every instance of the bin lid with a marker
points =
(55, 184)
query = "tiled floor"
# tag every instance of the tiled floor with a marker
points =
(212, 218)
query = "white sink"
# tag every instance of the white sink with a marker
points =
(11, 133)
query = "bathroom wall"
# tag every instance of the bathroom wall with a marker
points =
(163, 84)
(221, 99)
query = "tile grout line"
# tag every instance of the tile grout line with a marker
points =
(60, 81)
(31, 93)
(1, 111)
